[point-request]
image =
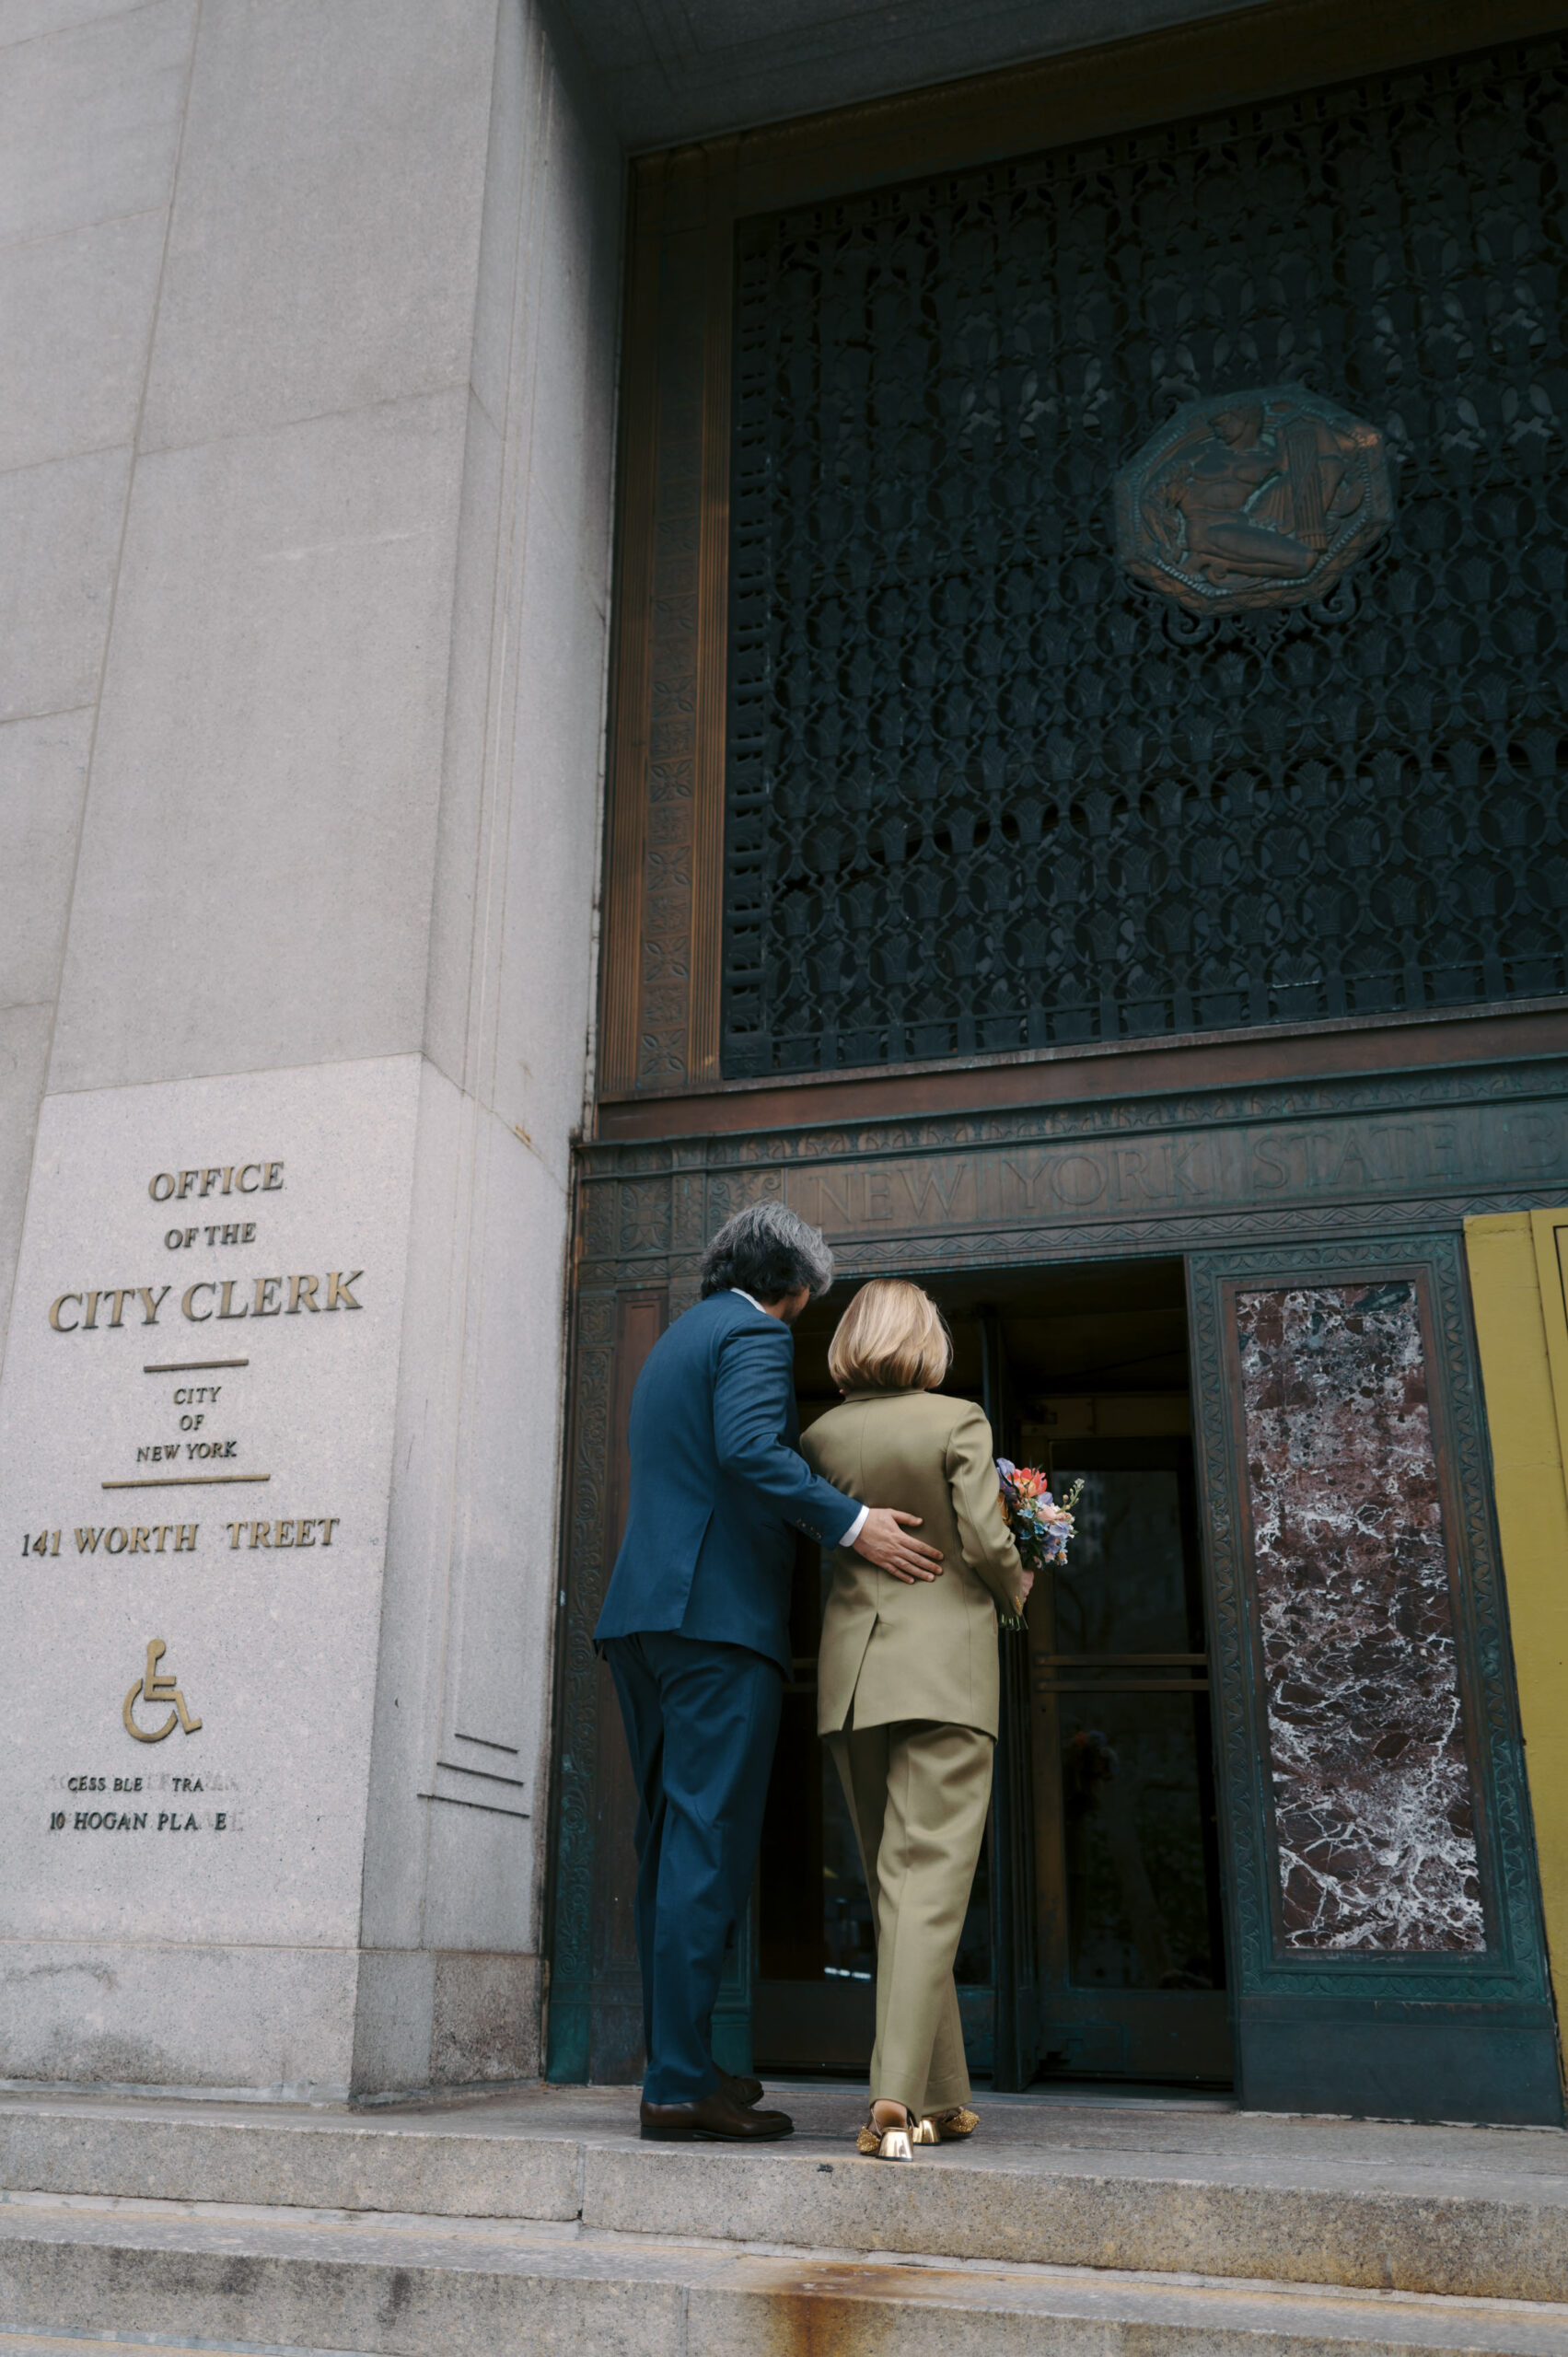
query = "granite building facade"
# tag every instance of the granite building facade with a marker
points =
(965, 633)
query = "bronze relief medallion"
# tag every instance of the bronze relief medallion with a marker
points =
(1258, 498)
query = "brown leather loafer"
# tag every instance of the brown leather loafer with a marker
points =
(745, 2092)
(712, 2117)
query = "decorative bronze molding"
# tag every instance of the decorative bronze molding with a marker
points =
(1259, 498)
(1238, 59)
(1105, 1072)
(1047, 1182)
(632, 658)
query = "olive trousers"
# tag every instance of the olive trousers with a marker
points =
(918, 1794)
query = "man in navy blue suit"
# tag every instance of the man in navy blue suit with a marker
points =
(695, 1628)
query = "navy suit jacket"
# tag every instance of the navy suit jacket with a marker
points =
(718, 1486)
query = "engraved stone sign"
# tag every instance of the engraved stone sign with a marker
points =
(1259, 498)
(197, 1423)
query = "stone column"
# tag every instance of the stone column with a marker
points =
(306, 535)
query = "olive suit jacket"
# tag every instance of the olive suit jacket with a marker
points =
(925, 1651)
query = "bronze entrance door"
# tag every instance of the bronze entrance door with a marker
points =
(1094, 1944)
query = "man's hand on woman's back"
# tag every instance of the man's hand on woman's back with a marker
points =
(885, 1542)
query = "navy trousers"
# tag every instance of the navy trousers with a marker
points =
(701, 1721)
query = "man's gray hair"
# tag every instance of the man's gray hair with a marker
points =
(767, 1250)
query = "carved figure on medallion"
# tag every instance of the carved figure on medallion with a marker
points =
(1261, 498)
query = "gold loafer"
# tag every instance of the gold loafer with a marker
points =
(948, 2127)
(876, 2143)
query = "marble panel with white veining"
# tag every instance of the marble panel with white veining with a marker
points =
(1372, 1788)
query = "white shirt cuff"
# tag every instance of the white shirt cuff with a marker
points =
(856, 1527)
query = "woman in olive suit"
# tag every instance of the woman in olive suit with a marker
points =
(908, 1688)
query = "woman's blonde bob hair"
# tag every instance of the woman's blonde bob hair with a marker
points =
(891, 1338)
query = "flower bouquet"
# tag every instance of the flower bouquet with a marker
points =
(1041, 1527)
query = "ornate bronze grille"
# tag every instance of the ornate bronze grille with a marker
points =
(983, 793)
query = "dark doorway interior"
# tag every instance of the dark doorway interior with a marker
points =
(1093, 1946)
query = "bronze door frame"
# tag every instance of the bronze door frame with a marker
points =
(1365, 1178)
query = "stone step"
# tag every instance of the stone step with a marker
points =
(212, 2276)
(56, 2344)
(1456, 2213)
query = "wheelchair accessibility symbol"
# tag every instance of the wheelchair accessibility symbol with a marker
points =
(151, 1688)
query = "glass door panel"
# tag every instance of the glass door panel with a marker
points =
(1132, 1961)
